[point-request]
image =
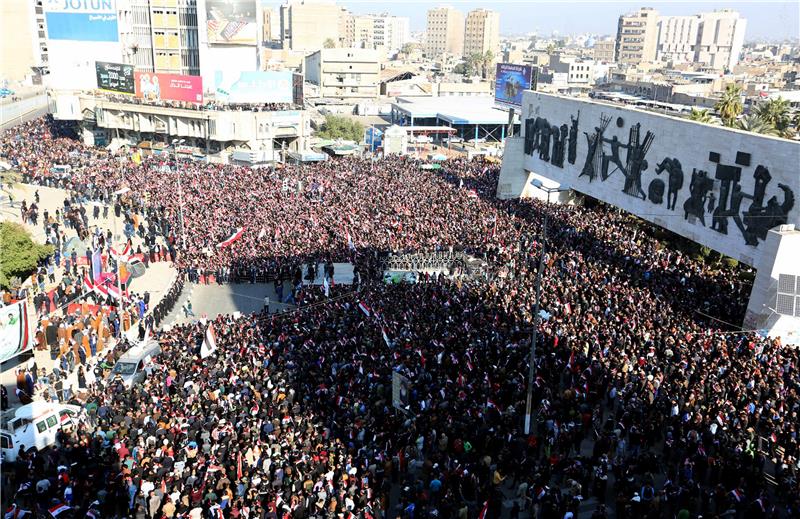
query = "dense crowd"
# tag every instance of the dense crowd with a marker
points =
(644, 400)
(211, 105)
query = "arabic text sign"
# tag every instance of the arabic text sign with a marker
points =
(169, 87)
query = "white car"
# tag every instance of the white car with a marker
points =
(34, 426)
(454, 140)
(479, 140)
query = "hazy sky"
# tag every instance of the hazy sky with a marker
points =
(765, 18)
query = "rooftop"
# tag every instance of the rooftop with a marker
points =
(453, 109)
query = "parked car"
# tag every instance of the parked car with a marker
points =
(4, 92)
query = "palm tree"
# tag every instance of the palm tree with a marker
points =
(329, 43)
(755, 124)
(729, 105)
(774, 112)
(486, 62)
(701, 116)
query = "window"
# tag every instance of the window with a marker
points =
(5, 442)
(41, 426)
(51, 421)
(788, 300)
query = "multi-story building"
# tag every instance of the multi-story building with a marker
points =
(677, 36)
(637, 37)
(720, 39)
(578, 71)
(160, 35)
(603, 51)
(482, 33)
(23, 43)
(309, 24)
(344, 73)
(712, 39)
(382, 32)
(445, 32)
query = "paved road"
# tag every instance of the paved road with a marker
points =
(14, 113)
(155, 280)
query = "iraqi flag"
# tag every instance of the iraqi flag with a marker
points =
(209, 345)
(261, 234)
(386, 337)
(59, 509)
(472, 193)
(121, 254)
(232, 238)
(350, 243)
(484, 510)
(364, 308)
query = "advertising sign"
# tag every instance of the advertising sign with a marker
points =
(253, 87)
(81, 20)
(13, 330)
(169, 87)
(510, 81)
(232, 22)
(115, 77)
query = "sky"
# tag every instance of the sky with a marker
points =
(766, 19)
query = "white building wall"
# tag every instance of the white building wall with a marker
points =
(721, 153)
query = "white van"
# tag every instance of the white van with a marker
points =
(34, 426)
(131, 365)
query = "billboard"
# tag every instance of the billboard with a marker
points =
(115, 77)
(81, 20)
(510, 81)
(169, 87)
(232, 22)
(14, 337)
(253, 87)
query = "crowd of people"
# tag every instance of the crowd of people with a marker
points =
(208, 104)
(645, 403)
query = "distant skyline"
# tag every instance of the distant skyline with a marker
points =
(772, 20)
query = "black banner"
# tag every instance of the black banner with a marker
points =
(115, 77)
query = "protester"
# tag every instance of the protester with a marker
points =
(644, 400)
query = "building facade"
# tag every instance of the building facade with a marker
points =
(308, 25)
(344, 73)
(677, 37)
(23, 42)
(603, 51)
(712, 39)
(637, 37)
(482, 33)
(720, 40)
(444, 33)
(160, 35)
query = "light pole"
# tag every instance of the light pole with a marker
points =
(534, 336)
(175, 143)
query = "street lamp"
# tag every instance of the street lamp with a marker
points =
(532, 362)
(180, 188)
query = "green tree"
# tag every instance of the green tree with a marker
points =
(486, 63)
(19, 255)
(775, 112)
(701, 116)
(408, 48)
(755, 124)
(329, 43)
(729, 105)
(338, 127)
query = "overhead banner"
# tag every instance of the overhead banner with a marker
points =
(253, 87)
(510, 81)
(81, 20)
(13, 330)
(232, 22)
(169, 87)
(115, 77)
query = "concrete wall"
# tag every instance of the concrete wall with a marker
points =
(778, 276)
(683, 156)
